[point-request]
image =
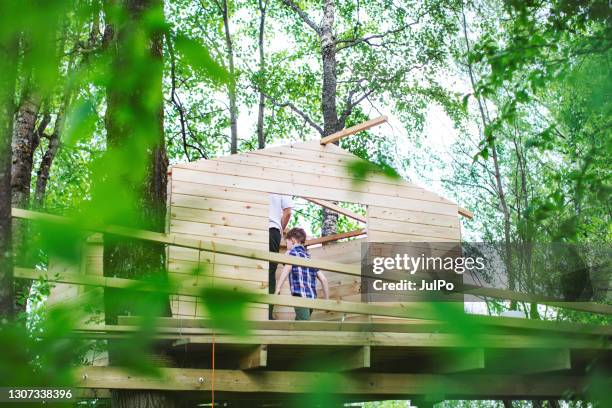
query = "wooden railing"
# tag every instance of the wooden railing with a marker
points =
(409, 310)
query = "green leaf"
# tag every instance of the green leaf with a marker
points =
(80, 122)
(199, 59)
(227, 308)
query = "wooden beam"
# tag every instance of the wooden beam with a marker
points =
(341, 338)
(461, 360)
(472, 386)
(466, 213)
(202, 245)
(256, 357)
(354, 359)
(335, 237)
(336, 208)
(334, 137)
(529, 361)
(404, 326)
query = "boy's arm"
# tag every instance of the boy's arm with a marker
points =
(283, 278)
(323, 280)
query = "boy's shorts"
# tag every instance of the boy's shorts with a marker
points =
(302, 313)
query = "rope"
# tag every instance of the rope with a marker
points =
(212, 380)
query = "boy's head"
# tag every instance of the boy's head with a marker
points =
(295, 236)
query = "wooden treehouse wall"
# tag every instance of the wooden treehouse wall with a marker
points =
(226, 199)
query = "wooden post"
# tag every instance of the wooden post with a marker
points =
(256, 357)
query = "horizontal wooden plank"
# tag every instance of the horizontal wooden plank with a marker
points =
(464, 386)
(384, 236)
(335, 237)
(186, 254)
(375, 339)
(214, 204)
(230, 282)
(272, 172)
(419, 217)
(219, 192)
(275, 160)
(218, 231)
(220, 217)
(325, 193)
(406, 326)
(410, 228)
(225, 271)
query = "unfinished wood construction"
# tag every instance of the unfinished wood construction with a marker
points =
(226, 199)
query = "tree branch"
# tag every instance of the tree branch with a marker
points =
(296, 110)
(305, 18)
(354, 41)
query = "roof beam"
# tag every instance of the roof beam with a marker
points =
(335, 237)
(336, 208)
(334, 137)
(466, 213)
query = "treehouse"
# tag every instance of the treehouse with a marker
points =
(217, 234)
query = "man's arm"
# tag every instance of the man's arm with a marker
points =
(323, 280)
(283, 278)
(285, 218)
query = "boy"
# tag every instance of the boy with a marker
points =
(302, 280)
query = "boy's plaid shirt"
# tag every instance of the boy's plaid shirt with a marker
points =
(302, 279)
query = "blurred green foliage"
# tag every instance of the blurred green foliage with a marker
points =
(543, 68)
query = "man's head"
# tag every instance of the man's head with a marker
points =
(295, 236)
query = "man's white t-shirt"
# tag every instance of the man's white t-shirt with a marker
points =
(277, 204)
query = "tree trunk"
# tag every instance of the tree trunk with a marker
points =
(261, 138)
(42, 175)
(231, 85)
(8, 71)
(25, 142)
(328, 58)
(501, 196)
(328, 96)
(144, 139)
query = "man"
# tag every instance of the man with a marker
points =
(279, 214)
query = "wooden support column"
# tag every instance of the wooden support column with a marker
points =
(256, 357)
(355, 359)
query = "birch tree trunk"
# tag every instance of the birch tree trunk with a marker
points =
(261, 137)
(24, 144)
(231, 84)
(329, 95)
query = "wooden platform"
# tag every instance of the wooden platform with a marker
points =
(280, 360)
